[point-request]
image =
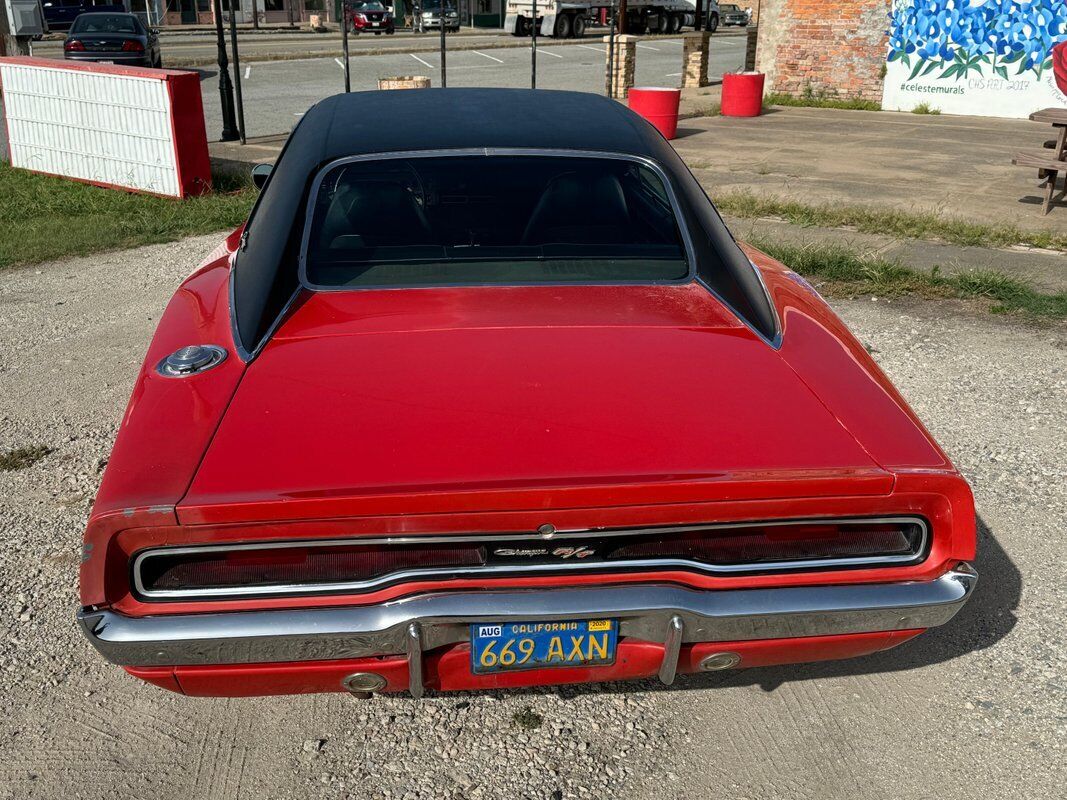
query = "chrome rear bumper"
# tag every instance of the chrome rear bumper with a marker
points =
(652, 612)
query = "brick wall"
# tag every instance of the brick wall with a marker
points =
(835, 47)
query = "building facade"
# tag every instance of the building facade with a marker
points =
(473, 13)
(199, 12)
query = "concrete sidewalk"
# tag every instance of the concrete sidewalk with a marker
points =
(958, 167)
(945, 165)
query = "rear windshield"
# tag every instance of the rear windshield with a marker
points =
(105, 23)
(492, 220)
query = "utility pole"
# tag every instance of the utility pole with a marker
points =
(533, 44)
(698, 17)
(623, 27)
(229, 126)
(609, 81)
(237, 73)
(255, 15)
(444, 76)
(344, 44)
(11, 45)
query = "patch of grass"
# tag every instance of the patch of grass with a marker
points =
(925, 108)
(820, 100)
(888, 221)
(22, 457)
(845, 271)
(528, 719)
(44, 218)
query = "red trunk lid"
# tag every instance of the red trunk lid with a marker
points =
(486, 398)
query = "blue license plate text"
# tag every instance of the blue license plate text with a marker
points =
(501, 647)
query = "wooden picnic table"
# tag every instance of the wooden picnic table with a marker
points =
(1057, 117)
(1052, 159)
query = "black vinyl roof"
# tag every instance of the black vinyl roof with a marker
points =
(365, 123)
(436, 119)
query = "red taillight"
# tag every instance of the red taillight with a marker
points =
(164, 572)
(751, 546)
(132, 46)
(73, 46)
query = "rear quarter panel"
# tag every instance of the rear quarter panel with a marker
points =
(825, 354)
(168, 422)
(837, 367)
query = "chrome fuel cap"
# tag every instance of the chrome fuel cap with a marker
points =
(191, 359)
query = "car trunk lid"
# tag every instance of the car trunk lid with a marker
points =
(495, 398)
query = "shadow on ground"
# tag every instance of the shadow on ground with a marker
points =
(986, 619)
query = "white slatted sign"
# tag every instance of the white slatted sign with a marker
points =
(113, 128)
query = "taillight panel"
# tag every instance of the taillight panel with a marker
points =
(356, 565)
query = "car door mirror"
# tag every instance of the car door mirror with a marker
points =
(260, 173)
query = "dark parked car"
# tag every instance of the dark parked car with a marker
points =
(730, 14)
(370, 16)
(112, 39)
(60, 14)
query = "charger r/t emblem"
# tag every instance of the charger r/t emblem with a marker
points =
(581, 551)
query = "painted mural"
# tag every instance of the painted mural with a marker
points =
(1003, 58)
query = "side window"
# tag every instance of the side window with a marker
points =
(653, 185)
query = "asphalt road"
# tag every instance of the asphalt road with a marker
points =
(182, 49)
(276, 93)
(976, 709)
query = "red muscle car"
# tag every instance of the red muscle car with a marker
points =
(483, 395)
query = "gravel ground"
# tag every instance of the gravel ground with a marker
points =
(974, 709)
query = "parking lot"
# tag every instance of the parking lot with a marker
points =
(977, 708)
(276, 93)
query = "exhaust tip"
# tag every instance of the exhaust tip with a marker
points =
(363, 683)
(717, 661)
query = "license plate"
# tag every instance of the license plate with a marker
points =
(502, 647)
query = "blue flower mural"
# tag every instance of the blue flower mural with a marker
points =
(953, 38)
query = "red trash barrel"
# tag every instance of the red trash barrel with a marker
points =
(742, 94)
(659, 106)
